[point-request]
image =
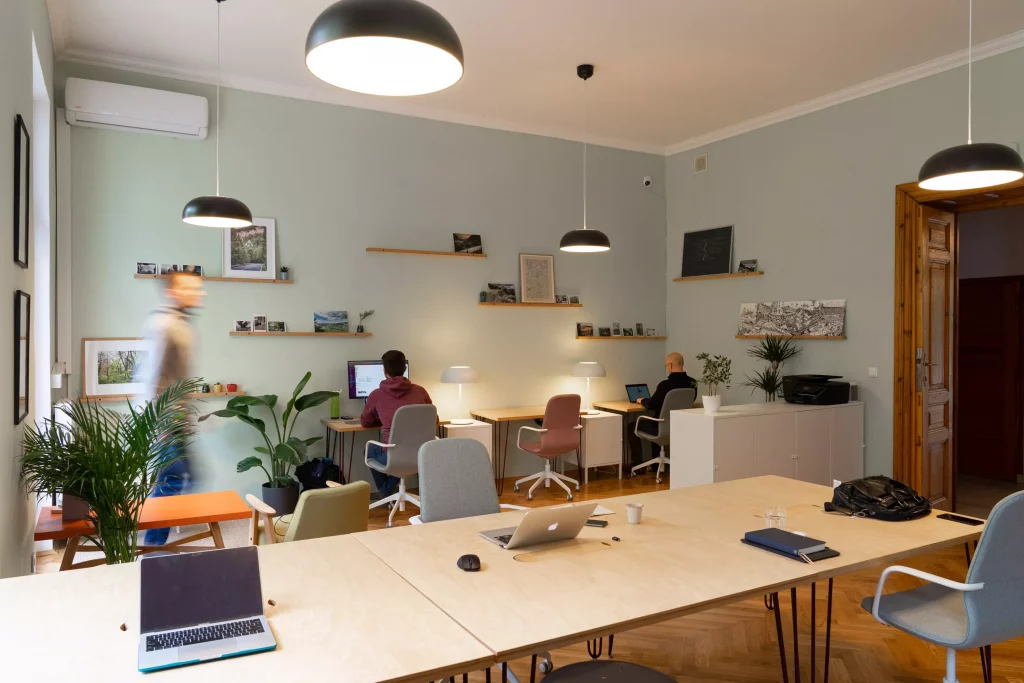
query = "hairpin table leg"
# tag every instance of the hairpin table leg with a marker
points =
(782, 642)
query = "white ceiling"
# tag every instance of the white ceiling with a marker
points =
(670, 74)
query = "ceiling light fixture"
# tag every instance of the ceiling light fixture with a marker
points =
(384, 47)
(585, 240)
(217, 211)
(971, 166)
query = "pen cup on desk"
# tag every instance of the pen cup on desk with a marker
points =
(634, 512)
(775, 517)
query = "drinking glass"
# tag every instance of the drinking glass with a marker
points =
(775, 517)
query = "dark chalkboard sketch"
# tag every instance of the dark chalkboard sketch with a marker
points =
(707, 252)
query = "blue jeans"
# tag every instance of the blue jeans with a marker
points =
(386, 484)
(170, 482)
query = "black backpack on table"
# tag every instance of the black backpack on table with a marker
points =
(879, 497)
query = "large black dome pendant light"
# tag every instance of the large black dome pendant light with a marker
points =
(217, 211)
(384, 47)
(585, 240)
(971, 166)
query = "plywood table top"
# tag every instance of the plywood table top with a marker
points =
(510, 414)
(690, 540)
(621, 407)
(345, 426)
(330, 597)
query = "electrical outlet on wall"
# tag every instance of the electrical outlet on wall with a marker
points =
(872, 372)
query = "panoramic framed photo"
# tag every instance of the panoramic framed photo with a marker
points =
(22, 349)
(22, 190)
(251, 252)
(110, 366)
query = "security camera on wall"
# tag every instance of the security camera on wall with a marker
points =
(648, 181)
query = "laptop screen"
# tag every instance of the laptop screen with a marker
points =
(635, 391)
(179, 591)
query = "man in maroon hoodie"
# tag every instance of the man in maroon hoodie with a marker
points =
(394, 392)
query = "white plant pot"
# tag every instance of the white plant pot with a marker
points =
(711, 403)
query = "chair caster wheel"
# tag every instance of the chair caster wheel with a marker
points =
(657, 481)
(529, 496)
(546, 666)
(577, 487)
(388, 525)
(569, 497)
(515, 488)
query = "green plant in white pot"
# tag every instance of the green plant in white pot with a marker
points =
(717, 372)
(284, 452)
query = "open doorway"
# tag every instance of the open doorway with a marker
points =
(990, 359)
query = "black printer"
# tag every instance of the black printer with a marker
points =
(815, 390)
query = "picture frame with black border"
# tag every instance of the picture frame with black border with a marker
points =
(651, 332)
(584, 329)
(627, 331)
(259, 323)
(639, 329)
(144, 268)
(616, 330)
(604, 332)
(22, 191)
(22, 354)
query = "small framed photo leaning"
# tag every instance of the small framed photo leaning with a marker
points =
(616, 330)
(584, 329)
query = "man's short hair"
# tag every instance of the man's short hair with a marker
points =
(394, 363)
(175, 278)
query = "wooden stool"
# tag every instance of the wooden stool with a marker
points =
(607, 672)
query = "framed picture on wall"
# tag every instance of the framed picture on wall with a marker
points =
(22, 349)
(537, 278)
(110, 366)
(22, 190)
(251, 252)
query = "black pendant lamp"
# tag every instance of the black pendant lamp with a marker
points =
(217, 211)
(585, 240)
(384, 47)
(971, 166)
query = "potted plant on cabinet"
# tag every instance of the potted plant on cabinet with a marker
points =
(717, 371)
(280, 491)
(776, 350)
(110, 460)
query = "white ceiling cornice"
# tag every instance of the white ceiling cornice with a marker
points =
(992, 48)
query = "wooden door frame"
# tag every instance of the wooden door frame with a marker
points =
(906, 454)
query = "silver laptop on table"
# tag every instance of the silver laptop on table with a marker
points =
(543, 525)
(196, 607)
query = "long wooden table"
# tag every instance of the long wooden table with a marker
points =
(157, 513)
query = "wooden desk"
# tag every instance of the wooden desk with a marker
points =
(689, 539)
(342, 428)
(331, 621)
(625, 409)
(157, 513)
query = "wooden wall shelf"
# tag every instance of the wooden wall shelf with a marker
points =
(797, 336)
(301, 334)
(208, 278)
(622, 338)
(421, 252)
(124, 397)
(497, 303)
(720, 276)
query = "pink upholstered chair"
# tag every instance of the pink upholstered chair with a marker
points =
(560, 434)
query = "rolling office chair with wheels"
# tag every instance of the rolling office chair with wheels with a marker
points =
(987, 608)
(333, 511)
(412, 426)
(560, 434)
(677, 399)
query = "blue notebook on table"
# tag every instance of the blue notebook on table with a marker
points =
(789, 544)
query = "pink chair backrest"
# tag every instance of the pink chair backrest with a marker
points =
(561, 417)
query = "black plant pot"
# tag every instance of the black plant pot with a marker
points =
(282, 499)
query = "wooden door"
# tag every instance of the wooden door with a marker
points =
(934, 355)
(776, 445)
(989, 412)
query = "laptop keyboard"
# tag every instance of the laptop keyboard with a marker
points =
(503, 539)
(203, 634)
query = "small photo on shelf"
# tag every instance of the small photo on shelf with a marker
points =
(616, 330)
(145, 268)
(574, 300)
(259, 323)
(194, 270)
(627, 331)
(604, 332)
(168, 268)
(561, 299)
(651, 332)
(275, 326)
(584, 330)
(501, 293)
(330, 321)
(639, 329)
(243, 326)
(467, 244)
(748, 266)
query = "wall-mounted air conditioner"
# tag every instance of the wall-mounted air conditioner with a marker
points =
(95, 104)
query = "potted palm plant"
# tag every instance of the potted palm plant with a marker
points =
(110, 460)
(283, 450)
(717, 371)
(776, 351)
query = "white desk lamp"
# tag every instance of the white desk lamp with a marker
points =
(460, 374)
(588, 369)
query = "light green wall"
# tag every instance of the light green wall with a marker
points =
(19, 21)
(813, 199)
(339, 180)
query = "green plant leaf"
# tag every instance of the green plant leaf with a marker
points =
(240, 402)
(295, 394)
(227, 412)
(246, 464)
(270, 400)
(286, 453)
(261, 449)
(310, 442)
(258, 424)
(298, 444)
(313, 399)
(284, 481)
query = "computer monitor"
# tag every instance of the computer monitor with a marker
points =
(366, 375)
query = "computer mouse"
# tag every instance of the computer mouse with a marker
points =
(469, 563)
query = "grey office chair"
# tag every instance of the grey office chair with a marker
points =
(988, 608)
(411, 427)
(677, 399)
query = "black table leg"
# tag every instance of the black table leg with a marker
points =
(487, 674)
(814, 630)
(828, 630)
(533, 669)
(611, 644)
(796, 637)
(504, 672)
(782, 642)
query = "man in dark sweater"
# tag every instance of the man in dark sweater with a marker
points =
(677, 379)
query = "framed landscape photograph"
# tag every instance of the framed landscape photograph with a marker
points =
(194, 270)
(145, 268)
(22, 349)
(501, 293)
(584, 329)
(22, 190)
(604, 332)
(275, 326)
(330, 321)
(168, 268)
(537, 278)
(110, 366)
(467, 244)
(627, 331)
(251, 252)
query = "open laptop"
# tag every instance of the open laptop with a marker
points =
(200, 606)
(543, 525)
(635, 391)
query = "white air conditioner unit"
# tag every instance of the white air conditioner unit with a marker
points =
(113, 106)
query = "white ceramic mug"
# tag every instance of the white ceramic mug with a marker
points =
(634, 512)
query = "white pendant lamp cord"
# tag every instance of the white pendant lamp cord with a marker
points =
(970, 64)
(218, 98)
(584, 154)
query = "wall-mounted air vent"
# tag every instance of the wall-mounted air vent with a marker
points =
(700, 163)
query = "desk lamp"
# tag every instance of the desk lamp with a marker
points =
(459, 374)
(588, 369)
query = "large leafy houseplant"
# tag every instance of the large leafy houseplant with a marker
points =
(283, 450)
(110, 460)
(776, 351)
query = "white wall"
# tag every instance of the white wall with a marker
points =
(19, 21)
(813, 199)
(992, 243)
(339, 180)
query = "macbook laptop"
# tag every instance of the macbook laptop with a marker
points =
(196, 607)
(635, 391)
(543, 525)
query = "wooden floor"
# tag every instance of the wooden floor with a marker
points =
(737, 644)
